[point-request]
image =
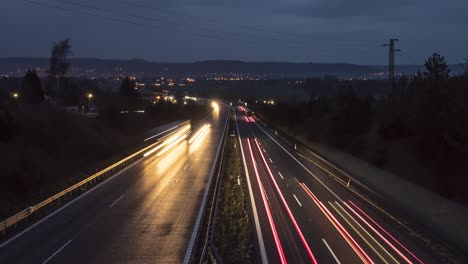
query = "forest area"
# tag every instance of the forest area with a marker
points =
(417, 128)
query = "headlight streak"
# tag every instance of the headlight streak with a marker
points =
(201, 137)
(199, 133)
(351, 242)
(291, 216)
(360, 234)
(215, 106)
(169, 139)
(279, 247)
(172, 144)
(184, 129)
(153, 150)
(381, 236)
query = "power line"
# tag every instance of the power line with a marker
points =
(391, 58)
(183, 27)
(139, 20)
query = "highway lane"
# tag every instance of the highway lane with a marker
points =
(146, 214)
(316, 227)
(335, 229)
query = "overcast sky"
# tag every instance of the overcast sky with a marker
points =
(250, 30)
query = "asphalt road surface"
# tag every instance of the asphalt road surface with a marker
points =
(301, 215)
(144, 214)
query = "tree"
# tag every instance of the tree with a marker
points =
(394, 109)
(58, 66)
(351, 116)
(437, 68)
(128, 92)
(31, 88)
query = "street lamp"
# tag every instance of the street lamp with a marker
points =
(90, 95)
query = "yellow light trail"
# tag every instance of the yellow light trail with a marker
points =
(172, 137)
(202, 136)
(199, 132)
(153, 150)
(172, 145)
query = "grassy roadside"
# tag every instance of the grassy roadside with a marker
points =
(440, 227)
(233, 233)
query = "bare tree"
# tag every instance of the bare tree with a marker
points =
(58, 66)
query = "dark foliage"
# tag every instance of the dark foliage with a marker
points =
(128, 93)
(423, 118)
(31, 88)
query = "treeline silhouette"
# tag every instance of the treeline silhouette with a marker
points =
(417, 129)
(46, 148)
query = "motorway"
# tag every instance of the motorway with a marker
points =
(144, 214)
(302, 215)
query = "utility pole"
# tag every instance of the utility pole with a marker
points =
(391, 58)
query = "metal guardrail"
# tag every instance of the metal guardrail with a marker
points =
(191, 254)
(330, 168)
(208, 245)
(15, 219)
(359, 188)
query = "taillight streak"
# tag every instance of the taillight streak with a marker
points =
(349, 239)
(291, 216)
(279, 247)
(380, 235)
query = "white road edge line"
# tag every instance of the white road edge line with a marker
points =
(191, 245)
(261, 243)
(69, 203)
(331, 251)
(56, 252)
(280, 175)
(297, 200)
(302, 165)
(116, 201)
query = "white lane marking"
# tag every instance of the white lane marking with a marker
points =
(302, 165)
(68, 204)
(116, 201)
(264, 150)
(331, 251)
(297, 200)
(270, 160)
(191, 245)
(280, 175)
(186, 165)
(56, 252)
(261, 243)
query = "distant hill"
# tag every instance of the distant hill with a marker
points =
(102, 67)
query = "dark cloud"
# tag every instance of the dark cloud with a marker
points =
(286, 30)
